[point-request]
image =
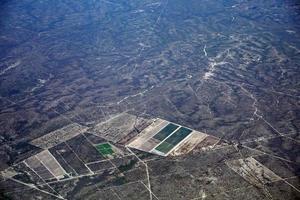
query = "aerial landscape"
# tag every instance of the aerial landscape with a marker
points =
(150, 100)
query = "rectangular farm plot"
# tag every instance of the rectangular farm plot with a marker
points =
(62, 161)
(100, 166)
(253, 171)
(58, 136)
(119, 127)
(173, 140)
(163, 138)
(208, 142)
(84, 149)
(105, 149)
(189, 144)
(35, 165)
(46, 158)
(165, 132)
(145, 141)
(66, 156)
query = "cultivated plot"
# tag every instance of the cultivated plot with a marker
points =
(173, 140)
(45, 165)
(253, 171)
(163, 138)
(105, 149)
(70, 160)
(56, 137)
(189, 144)
(100, 166)
(208, 142)
(119, 126)
(145, 141)
(35, 165)
(47, 159)
(85, 150)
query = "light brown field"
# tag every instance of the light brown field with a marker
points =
(189, 144)
(253, 171)
(118, 127)
(51, 164)
(208, 143)
(144, 140)
(58, 136)
(34, 164)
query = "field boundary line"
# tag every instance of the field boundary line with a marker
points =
(34, 187)
(40, 178)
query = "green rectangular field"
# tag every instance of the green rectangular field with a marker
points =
(173, 140)
(165, 132)
(164, 147)
(105, 146)
(104, 149)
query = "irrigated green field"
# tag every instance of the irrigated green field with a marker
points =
(173, 140)
(105, 149)
(165, 132)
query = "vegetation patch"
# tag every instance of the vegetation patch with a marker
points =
(166, 131)
(173, 140)
(105, 149)
(127, 166)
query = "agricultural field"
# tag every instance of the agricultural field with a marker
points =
(189, 144)
(95, 165)
(53, 138)
(164, 138)
(105, 149)
(150, 100)
(165, 132)
(253, 171)
(85, 154)
(173, 140)
(119, 127)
